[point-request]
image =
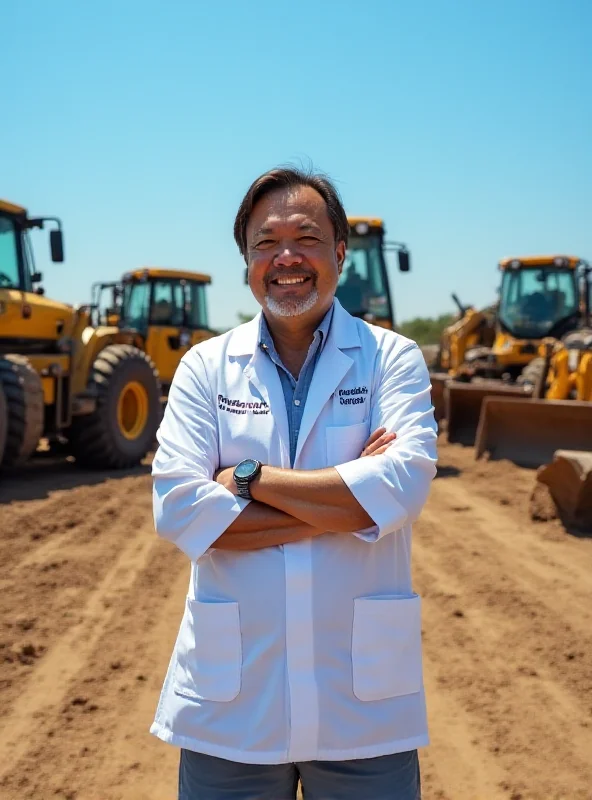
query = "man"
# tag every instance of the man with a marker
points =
(295, 453)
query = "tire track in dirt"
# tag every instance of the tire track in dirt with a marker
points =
(507, 642)
(491, 651)
(531, 555)
(69, 655)
(96, 743)
(64, 546)
(454, 766)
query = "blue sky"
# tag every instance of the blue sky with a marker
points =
(466, 125)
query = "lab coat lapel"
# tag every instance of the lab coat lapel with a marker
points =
(262, 373)
(331, 368)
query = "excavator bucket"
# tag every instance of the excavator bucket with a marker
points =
(563, 489)
(529, 432)
(463, 405)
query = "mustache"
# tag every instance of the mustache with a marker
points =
(290, 273)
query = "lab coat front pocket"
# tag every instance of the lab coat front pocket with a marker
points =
(386, 647)
(345, 442)
(209, 651)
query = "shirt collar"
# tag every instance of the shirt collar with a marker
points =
(322, 329)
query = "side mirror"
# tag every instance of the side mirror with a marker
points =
(36, 277)
(404, 261)
(56, 242)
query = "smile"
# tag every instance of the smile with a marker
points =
(290, 281)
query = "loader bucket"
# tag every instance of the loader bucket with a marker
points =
(463, 406)
(529, 432)
(567, 481)
(438, 381)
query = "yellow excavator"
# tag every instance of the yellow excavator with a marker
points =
(97, 389)
(468, 337)
(539, 298)
(558, 416)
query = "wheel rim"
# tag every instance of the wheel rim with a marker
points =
(132, 410)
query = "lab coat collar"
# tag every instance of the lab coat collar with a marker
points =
(333, 364)
(244, 339)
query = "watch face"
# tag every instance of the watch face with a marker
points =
(245, 469)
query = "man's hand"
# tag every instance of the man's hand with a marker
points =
(378, 443)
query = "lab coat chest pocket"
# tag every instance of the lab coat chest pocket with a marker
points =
(209, 651)
(345, 442)
(386, 646)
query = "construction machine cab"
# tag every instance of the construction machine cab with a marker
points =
(167, 311)
(364, 287)
(17, 268)
(539, 296)
(89, 377)
(106, 311)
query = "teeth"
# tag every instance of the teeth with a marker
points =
(286, 281)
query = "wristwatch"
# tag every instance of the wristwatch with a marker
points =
(244, 472)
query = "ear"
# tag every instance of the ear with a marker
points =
(340, 253)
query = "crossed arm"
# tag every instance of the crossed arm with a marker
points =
(197, 508)
(290, 505)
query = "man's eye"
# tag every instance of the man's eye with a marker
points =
(264, 243)
(309, 239)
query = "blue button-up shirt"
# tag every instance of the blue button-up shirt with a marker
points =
(296, 391)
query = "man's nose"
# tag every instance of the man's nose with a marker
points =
(287, 257)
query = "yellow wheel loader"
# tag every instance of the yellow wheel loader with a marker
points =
(164, 312)
(94, 388)
(559, 414)
(539, 298)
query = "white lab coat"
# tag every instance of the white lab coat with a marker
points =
(310, 650)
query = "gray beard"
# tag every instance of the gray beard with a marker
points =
(291, 307)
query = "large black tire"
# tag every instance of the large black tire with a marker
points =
(99, 440)
(25, 409)
(3, 423)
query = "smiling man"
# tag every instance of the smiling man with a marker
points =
(295, 453)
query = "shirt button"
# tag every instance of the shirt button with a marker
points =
(296, 402)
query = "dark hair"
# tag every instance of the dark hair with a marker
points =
(285, 178)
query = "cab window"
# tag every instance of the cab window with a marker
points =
(9, 261)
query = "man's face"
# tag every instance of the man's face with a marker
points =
(293, 259)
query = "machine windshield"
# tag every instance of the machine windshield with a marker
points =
(533, 300)
(9, 261)
(135, 305)
(169, 303)
(362, 287)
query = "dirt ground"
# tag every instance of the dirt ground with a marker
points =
(91, 600)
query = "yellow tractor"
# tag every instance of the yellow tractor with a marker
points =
(95, 389)
(163, 312)
(539, 298)
(558, 416)
(364, 286)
